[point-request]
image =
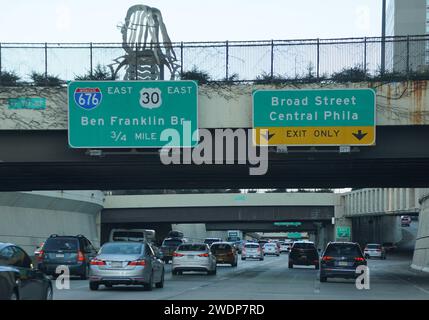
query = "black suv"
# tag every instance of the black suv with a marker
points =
(304, 253)
(340, 260)
(75, 252)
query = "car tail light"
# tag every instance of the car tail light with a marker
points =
(80, 256)
(327, 258)
(175, 254)
(203, 255)
(97, 262)
(359, 259)
(41, 255)
(137, 263)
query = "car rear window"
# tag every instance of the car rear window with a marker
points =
(192, 247)
(121, 248)
(221, 247)
(172, 243)
(252, 246)
(54, 244)
(373, 246)
(304, 246)
(211, 240)
(343, 250)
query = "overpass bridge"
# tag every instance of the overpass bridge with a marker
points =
(246, 212)
(35, 155)
(374, 213)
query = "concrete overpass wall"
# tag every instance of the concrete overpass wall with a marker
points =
(220, 200)
(28, 218)
(382, 201)
(226, 106)
(421, 251)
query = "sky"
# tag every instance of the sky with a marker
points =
(190, 20)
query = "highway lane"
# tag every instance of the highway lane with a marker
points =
(270, 279)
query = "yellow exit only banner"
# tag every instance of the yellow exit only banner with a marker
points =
(274, 136)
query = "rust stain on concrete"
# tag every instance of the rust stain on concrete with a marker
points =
(418, 93)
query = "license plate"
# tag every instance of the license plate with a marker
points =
(191, 257)
(343, 264)
(59, 255)
(116, 264)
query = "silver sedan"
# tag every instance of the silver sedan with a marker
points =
(129, 263)
(193, 257)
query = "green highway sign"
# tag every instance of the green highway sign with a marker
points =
(314, 117)
(294, 235)
(132, 114)
(343, 233)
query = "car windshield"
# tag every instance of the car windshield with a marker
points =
(221, 247)
(172, 243)
(53, 244)
(121, 248)
(342, 250)
(192, 247)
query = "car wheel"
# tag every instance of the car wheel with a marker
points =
(14, 295)
(49, 293)
(148, 286)
(243, 258)
(161, 283)
(290, 265)
(323, 279)
(316, 266)
(93, 286)
(261, 259)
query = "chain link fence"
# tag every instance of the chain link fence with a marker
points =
(234, 61)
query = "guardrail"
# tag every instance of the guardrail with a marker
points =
(235, 61)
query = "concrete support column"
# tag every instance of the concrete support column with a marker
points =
(421, 250)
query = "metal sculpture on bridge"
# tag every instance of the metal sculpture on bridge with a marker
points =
(147, 45)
